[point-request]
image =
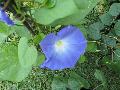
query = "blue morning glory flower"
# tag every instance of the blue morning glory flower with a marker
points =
(64, 49)
(5, 18)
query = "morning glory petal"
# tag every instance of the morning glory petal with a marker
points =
(67, 59)
(47, 44)
(5, 18)
(72, 35)
(64, 49)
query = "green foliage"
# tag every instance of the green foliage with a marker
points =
(38, 38)
(81, 4)
(5, 28)
(74, 82)
(115, 66)
(92, 47)
(109, 41)
(106, 19)
(106, 33)
(94, 30)
(46, 3)
(115, 9)
(41, 1)
(117, 28)
(22, 31)
(117, 55)
(115, 63)
(50, 3)
(40, 59)
(59, 15)
(2, 37)
(6, 51)
(82, 59)
(10, 68)
(16, 63)
(20, 56)
(26, 54)
(59, 83)
(100, 76)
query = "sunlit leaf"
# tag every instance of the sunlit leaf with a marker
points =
(38, 38)
(22, 31)
(40, 59)
(2, 37)
(4, 28)
(81, 4)
(27, 54)
(72, 14)
(10, 69)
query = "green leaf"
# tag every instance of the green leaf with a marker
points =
(75, 82)
(15, 73)
(109, 41)
(5, 28)
(115, 66)
(117, 55)
(94, 30)
(81, 4)
(100, 76)
(92, 47)
(50, 3)
(106, 19)
(10, 69)
(115, 63)
(117, 28)
(40, 59)
(38, 38)
(103, 48)
(2, 37)
(5, 55)
(115, 9)
(59, 83)
(41, 1)
(106, 60)
(72, 14)
(22, 31)
(27, 54)
(82, 59)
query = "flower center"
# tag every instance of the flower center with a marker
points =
(60, 46)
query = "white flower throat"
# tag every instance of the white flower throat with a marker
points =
(60, 46)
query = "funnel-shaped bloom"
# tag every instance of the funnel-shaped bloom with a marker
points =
(64, 49)
(5, 18)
